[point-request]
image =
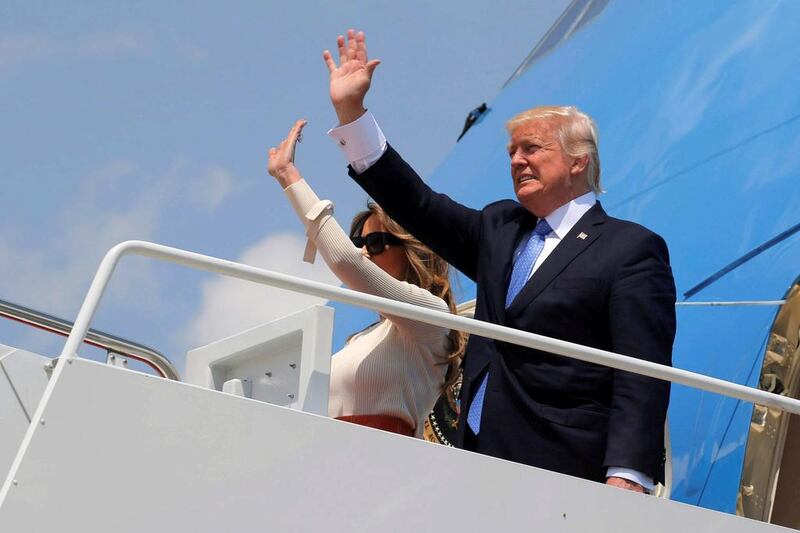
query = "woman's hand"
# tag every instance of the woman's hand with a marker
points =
(281, 159)
(351, 79)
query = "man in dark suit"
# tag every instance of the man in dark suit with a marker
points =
(553, 263)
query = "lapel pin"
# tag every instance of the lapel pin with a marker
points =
(582, 235)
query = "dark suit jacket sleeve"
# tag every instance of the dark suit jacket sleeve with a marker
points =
(445, 226)
(642, 324)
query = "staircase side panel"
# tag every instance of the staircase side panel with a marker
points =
(125, 452)
(26, 370)
(13, 423)
(22, 382)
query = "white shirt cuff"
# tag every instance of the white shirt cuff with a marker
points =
(361, 141)
(631, 475)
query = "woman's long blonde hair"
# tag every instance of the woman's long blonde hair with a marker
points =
(426, 270)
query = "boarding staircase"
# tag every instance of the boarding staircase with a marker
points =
(243, 443)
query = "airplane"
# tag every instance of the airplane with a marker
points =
(698, 115)
(698, 118)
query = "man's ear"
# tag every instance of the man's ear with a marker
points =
(579, 165)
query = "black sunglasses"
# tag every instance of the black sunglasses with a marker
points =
(375, 242)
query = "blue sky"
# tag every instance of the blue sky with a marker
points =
(151, 120)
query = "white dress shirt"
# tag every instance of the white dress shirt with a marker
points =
(363, 143)
(561, 221)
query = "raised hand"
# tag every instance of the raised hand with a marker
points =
(351, 80)
(281, 159)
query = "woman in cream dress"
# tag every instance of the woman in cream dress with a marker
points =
(389, 375)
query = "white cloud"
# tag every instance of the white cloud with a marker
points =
(230, 305)
(193, 53)
(52, 271)
(109, 43)
(18, 48)
(213, 188)
(22, 48)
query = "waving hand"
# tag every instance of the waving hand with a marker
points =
(351, 79)
(281, 159)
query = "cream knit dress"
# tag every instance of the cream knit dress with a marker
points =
(395, 367)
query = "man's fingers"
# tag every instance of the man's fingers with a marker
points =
(372, 65)
(342, 49)
(624, 484)
(352, 47)
(361, 47)
(326, 55)
(351, 44)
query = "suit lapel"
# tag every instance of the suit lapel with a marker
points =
(579, 238)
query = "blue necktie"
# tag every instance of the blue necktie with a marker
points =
(519, 277)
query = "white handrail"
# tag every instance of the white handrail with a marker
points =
(112, 344)
(733, 303)
(723, 303)
(392, 307)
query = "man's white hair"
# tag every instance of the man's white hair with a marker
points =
(577, 134)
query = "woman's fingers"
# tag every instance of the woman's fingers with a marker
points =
(286, 146)
(294, 137)
(296, 131)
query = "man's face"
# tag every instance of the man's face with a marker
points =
(545, 178)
